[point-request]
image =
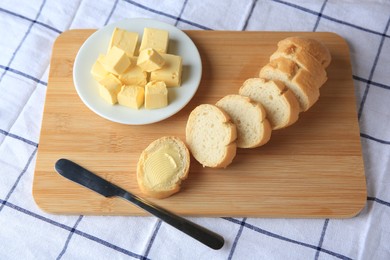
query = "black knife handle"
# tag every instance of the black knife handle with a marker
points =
(203, 235)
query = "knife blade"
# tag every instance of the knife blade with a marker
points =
(86, 178)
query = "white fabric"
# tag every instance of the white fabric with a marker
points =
(28, 30)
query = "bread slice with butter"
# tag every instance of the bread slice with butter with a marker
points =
(211, 136)
(253, 128)
(162, 166)
(279, 102)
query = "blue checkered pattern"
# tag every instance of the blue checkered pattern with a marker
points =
(28, 30)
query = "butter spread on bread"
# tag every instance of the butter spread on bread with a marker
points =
(162, 166)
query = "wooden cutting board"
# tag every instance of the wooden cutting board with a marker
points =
(311, 169)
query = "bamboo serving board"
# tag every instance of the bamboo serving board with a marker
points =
(312, 169)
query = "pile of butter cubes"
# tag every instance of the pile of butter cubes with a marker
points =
(136, 77)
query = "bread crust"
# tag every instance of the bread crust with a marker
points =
(254, 88)
(240, 102)
(305, 87)
(304, 59)
(175, 187)
(316, 48)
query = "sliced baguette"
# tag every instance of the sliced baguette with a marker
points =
(279, 102)
(162, 166)
(299, 81)
(316, 48)
(303, 58)
(211, 136)
(253, 128)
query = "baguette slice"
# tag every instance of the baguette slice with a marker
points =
(279, 102)
(316, 48)
(162, 166)
(304, 86)
(211, 136)
(253, 128)
(304, 59)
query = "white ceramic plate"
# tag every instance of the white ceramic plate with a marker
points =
(179, 44)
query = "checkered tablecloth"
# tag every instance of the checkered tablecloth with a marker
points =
(27, 31)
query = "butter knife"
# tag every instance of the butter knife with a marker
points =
(84, 177)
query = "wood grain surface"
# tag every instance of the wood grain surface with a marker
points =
(313, 169)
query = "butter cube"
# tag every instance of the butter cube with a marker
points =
(125, 40)
(149, 60)
(116, 61)
(156, 95)
(98, 71)
(170, 73)
(131, 96)
(134, 75)
(156, 39)
(109, 88)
